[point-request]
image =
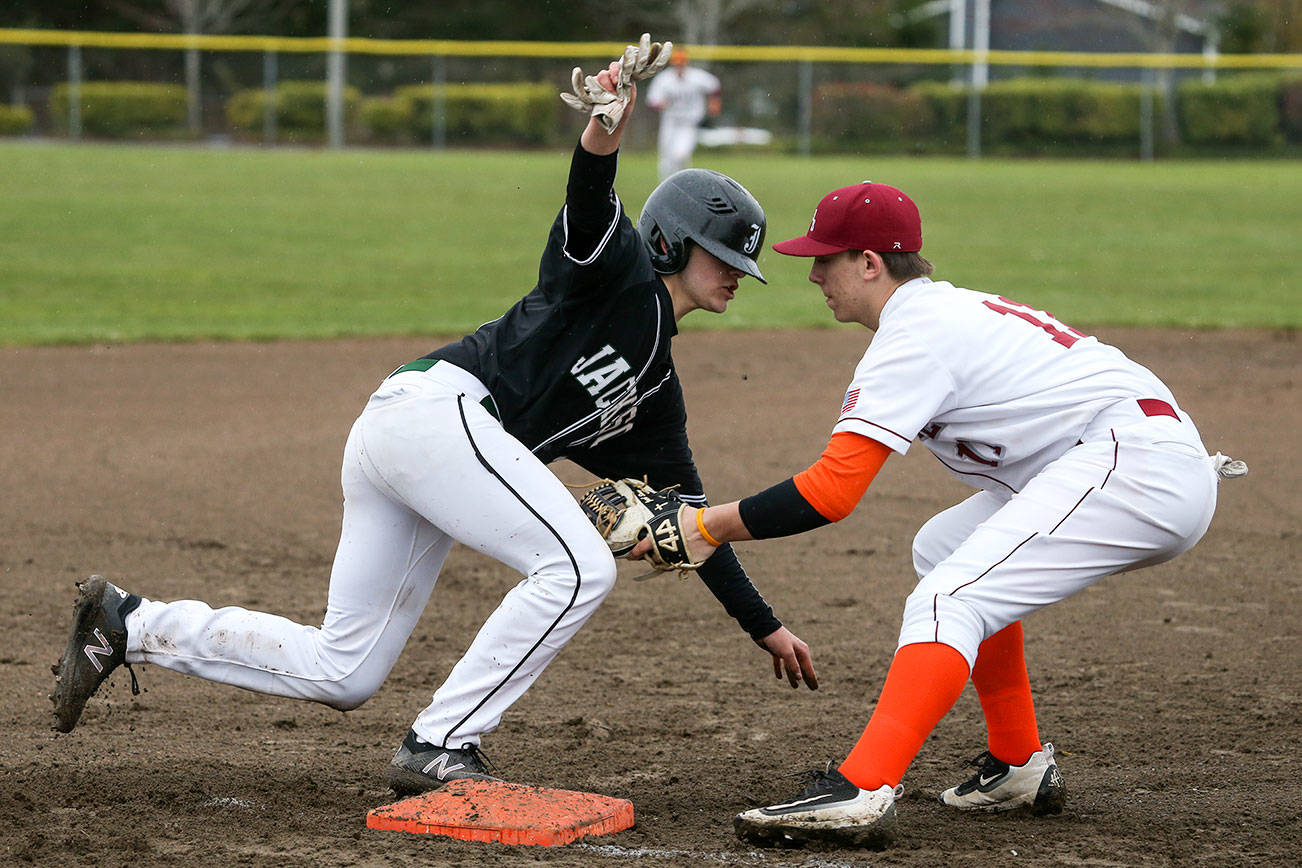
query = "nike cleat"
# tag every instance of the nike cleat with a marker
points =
(1036, 785)
(831, 811)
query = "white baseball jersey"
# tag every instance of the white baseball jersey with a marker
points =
(681, 95)
(1086, 465)
(995, 419)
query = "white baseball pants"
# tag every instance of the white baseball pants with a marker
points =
(1127, 497)
(425, 465)
(675, 142)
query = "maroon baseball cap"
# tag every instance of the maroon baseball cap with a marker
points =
(865, 216)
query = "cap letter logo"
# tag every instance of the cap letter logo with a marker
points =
(897, 245)
(752, 240)
(813, 220)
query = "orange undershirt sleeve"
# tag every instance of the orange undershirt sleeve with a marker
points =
(836, 482)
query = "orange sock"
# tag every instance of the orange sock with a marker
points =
(924, 681)
(1005, 692)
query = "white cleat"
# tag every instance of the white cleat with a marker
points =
(1036, 785)
(831, 810)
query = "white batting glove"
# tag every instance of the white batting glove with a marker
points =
(645, 59)
(639, 62)
(591, 98)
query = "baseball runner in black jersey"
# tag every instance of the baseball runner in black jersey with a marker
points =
(452, 447)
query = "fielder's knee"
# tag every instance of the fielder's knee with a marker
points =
(938, 617)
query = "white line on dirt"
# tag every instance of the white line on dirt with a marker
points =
(231, 802)
(615, 851)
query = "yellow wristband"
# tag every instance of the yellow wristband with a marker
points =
(705, 534)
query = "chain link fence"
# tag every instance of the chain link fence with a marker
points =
(803, 99)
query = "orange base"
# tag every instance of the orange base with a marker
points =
(507, 813)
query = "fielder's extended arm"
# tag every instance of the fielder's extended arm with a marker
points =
(827, 492)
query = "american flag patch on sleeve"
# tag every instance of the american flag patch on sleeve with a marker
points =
(851, 398)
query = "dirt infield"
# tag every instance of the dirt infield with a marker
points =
(211, 471)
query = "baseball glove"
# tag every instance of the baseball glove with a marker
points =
(625, 511)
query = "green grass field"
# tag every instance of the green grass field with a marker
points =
(125, 243)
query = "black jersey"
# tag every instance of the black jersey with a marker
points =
(580, 367)
(583, 359)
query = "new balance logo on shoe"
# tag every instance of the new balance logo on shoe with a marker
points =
(418, 766)
(441, 763)
(102, 648)
(96, 647)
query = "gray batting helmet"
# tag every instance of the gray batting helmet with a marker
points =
(706, 208)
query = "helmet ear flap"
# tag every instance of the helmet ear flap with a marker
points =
(668, 254)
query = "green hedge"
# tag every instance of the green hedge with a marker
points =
(1021, 115)
(1026, 115)
(946, 106)
(1035, 114)
(513, 113)
(851, 114)
(508, 114)
(1237, 110)
(300, 108)
(118, 109)
(387, 120)
(1056, 111)
(15, 120)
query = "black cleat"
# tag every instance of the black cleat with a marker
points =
(97, 646)
(418, 767)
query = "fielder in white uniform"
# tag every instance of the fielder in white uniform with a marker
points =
(1086, 466)
(684, 95)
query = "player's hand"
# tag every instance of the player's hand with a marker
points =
(617, 85)
(698, 550)
(640, 551)
(608, 96)
(791, 654)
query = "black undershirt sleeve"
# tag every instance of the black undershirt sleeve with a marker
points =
(723, 574)
(589, 201)
(779, 510)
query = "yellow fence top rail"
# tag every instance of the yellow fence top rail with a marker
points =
(578, 50)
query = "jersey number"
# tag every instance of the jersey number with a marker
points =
(1061, 334)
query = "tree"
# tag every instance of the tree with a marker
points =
(1272, 26)
(196, 17)
(702, 21)
(15, 64)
